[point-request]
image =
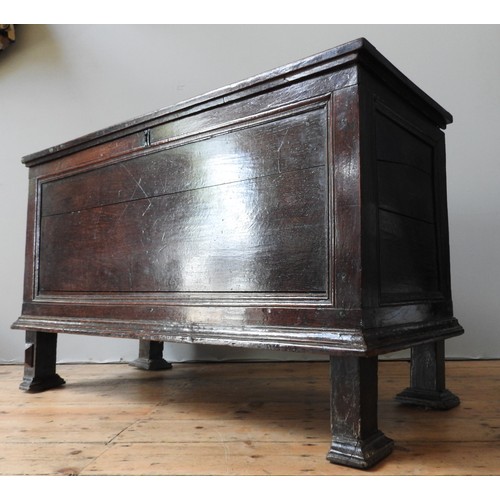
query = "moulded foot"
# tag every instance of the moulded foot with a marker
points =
(437, 400)
(151, 364)
(38, 384)
(360, 454)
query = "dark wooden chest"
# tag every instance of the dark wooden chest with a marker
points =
(303, 209)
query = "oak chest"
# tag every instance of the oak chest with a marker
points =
(303, 210)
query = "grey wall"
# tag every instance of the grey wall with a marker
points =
(62, 81)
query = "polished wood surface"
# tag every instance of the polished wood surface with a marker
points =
(235, 419)
(259, 235)
(301, 210)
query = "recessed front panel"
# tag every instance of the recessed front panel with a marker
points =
(244, 211)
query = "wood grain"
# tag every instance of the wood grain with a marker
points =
(235, 419)
(259, 149)
(259, 235)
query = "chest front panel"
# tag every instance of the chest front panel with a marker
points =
(243, 211)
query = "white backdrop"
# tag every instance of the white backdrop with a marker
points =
(59, 82)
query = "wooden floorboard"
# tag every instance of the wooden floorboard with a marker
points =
(222, 419)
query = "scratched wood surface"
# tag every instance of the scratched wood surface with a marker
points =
(241, 211)
(235, 419)
(209, 244)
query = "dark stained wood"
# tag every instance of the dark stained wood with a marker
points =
(347, 200)
(40, 362)
(406, 191)
(408, 258)
(151, 356)
(262, 235)
(356, 439)
(328, 61)
(300, 210)
(427, 379)
(258, 150)
(396, 144)
(408, 244)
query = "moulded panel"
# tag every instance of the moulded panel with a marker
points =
(243, 211)
(396, 143)
(406, 190)
(408, 243)
(408, 258)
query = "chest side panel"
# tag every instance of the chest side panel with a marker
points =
(407, 221)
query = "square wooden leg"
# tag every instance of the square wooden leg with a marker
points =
(427, 379)
(356, 439)
(151, 356)
(40, 362)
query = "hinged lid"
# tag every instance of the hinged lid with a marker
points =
(359, 51)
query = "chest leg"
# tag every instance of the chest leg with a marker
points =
(356, 439)
(151, 356)
(427, 379)
(40, 362)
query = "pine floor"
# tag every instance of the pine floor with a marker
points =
(230, 419)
